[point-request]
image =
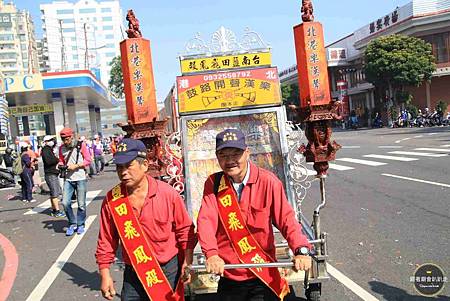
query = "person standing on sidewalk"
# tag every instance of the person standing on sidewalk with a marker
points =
(98, 154)
(51, 174)
(74, 158)
(26, 176)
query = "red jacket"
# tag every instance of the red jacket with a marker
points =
(165, 222)
(263, 204)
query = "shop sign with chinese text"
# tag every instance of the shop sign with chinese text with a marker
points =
(31, 109)
(226, 62)
(224, 90)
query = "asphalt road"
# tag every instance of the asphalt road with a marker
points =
(380, 227)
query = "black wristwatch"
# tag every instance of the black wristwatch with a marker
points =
(302, 251)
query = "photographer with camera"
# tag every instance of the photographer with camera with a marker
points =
(74, 157)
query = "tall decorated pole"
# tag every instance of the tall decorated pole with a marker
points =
(140, 96)
(316, 109)
(139, 84)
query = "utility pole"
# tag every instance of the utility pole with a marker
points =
(63, 53)
(86, 52)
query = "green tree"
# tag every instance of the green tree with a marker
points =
(290, 94)
(116, 77)
(396, 61)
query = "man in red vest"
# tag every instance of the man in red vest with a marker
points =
(157, 235)
(239, 207)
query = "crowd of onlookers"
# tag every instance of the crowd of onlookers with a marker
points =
(65, 167)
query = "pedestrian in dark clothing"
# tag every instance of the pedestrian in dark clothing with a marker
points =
(51, 172)
(9, 159)
(26, 177)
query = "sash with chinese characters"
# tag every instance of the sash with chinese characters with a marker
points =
(139, 250)
(244, 244)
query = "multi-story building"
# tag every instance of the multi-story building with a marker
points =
(42, 55)
(109, 120)
(18, 53)
(425, 19)
(82, 35)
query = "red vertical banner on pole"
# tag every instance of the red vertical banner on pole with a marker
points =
(139, 84)
(312, 65)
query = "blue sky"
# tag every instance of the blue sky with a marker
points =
(170, 24)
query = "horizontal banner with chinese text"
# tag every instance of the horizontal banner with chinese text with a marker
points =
(31, 109)
(226, 62)
(228, 90)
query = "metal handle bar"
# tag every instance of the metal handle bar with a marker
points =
(287, 264)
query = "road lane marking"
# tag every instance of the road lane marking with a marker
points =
(390, 146)
(416, 180)
(351, 146)
(355, 288)
(404, 139)
(432, 134)
(417, 154)
(41, 289)
(445, 145)
(403, 159)
(90, 196)
(418, 136)
(363, 162)
(11, 264)
(439, 150)
(339, 167)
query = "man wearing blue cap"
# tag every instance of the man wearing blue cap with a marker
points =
(240, 204)
(149, 219)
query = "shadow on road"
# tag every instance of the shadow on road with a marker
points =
(391, 293)
(57, 225)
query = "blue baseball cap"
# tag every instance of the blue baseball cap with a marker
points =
(128, 150)
(230, 138)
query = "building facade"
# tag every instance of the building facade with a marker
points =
(84, 35)
(425, 19)
(18, 53)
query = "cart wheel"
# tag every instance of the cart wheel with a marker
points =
(313, 292)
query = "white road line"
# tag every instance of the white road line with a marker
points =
(339, 167)
(351, 146)
(419, 136)
(355, 288)
(403, 159)
(416, 180)
(40, 290)
(390, 146)
(445, 145)
(433, 134)
(417, 154)
(439, 150)
(360, 161)
(404, 139)
(90, 195)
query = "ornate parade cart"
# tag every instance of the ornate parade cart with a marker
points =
(231, 83)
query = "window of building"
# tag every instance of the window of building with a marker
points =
(64, 11)
(104, 126)
(110, 45)
(68, 30)
(441, 46)
(87, 10)
(75, 57)
(110, 54)
(106, 10)
(107, 27)
(114, 126)
(109, 36)
(76, 66)
(106, 19)
(67, 21)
